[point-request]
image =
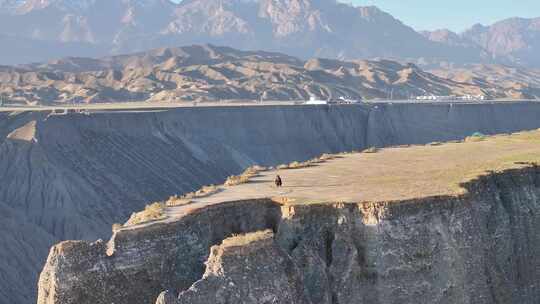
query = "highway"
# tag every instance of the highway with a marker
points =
(135, 106)
(155, 106)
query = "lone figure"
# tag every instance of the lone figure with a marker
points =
(278, 181)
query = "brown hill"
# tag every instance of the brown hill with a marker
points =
(215, 73)
(515, 82)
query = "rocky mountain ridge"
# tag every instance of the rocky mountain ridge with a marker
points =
(513, 41)
(301, 28)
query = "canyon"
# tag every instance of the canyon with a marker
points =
(72, 176)
(114, 112)
(429, 226)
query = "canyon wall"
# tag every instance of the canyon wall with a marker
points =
(72, 176)
(480, 247)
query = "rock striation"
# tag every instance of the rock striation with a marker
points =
(72, 176)
(479, 247)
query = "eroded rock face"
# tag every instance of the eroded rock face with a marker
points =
(166, 297)
(478, 248)
(245, 270)
(138, 264)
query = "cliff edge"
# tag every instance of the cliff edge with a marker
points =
(444, 227)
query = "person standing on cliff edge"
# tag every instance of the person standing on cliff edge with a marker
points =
(278, 181)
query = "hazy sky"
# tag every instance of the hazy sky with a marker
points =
(456, 15)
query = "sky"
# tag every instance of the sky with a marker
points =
(456, 15)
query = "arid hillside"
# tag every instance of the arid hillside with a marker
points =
(515, 81)
(211, 73)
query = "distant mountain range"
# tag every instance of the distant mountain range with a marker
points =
(211, 73)
(511, 41)
(39, 30)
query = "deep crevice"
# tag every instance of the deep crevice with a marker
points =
(328, 242)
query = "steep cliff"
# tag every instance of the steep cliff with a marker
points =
(228, 279)
(72, 176)
(480, 247)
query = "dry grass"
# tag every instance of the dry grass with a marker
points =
(326, 157)
(298, 165)
(212, 189)
(245, 239)
(476, 137)
(294, 165)
(116, 227)
(389, 175)
(309, 163)
(306, 164)
(258, 168)
(411, 172)
(188, 197)
(151, 212)
(235, 180)
(204, 191)
(245, 176)
(176, 200)
(371, 150)
(470, 139)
